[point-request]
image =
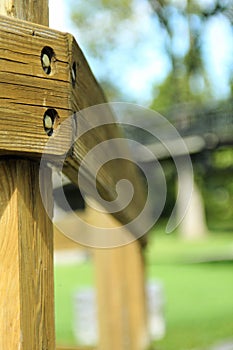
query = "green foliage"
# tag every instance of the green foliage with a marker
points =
(187, 80)
(218, 195)
(214, 178)
(176, 90)
(100, 22)
(223, 158)
(104, 25)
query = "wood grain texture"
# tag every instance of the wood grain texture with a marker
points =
(28, 10)
(26, 92)
(121, 298)
(26, 232)
(26, 256)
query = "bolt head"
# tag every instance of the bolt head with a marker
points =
(46, 61)
(73, 74)
(48, 123)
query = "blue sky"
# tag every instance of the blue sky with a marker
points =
(137, 69)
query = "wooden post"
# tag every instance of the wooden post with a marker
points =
(120, 282)
(120, 286)
(121, 298)
(28, 92)
(26, 238)
(28, 10)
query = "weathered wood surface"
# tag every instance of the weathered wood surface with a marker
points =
(26, 259)
(28, 10)
(26, 92)
(26, 232)
(120, 283)
(121, 299)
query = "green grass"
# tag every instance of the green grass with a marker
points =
(199, 297)
(199, 302)
(170, 248)
(68, 279)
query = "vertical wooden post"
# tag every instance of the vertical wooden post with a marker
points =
(26, 259)
(121, 298)
(28, 10)
(26, 238)
(120, 285)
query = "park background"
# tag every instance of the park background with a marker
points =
(175, 57)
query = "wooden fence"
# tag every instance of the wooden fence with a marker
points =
(43, 71)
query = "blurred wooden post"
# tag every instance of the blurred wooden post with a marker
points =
(120, 283)
(26, 237)
(121, 298)
(120, 286)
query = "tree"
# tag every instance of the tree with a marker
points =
(187, 80)
(107, 28)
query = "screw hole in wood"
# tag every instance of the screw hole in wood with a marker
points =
(74, 73)
(47, 59)
(50, 121)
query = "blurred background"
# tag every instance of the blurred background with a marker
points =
(175, 57)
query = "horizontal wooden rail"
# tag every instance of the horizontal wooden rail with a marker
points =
(44, 71)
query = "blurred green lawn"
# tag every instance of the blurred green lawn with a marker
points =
(199, 296)
(69, 279)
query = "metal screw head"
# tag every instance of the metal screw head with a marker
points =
(46, 61)
(51, 121)
(74, 73)
(48, 123)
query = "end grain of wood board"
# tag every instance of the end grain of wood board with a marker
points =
(26, 91)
